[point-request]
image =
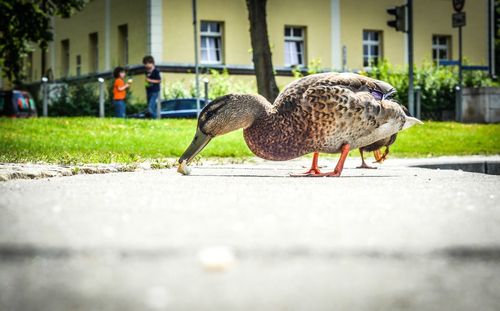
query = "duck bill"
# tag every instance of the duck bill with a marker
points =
(199, 142)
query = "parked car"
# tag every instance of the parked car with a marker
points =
(175, 108)
(17, 104)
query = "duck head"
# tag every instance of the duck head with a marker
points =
(223, 115)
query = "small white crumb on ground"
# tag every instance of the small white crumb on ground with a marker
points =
(216, 258)
(183, 168)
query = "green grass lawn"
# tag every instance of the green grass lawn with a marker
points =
(93, 140)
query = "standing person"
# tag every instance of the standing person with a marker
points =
(153, 81)
(119, 91)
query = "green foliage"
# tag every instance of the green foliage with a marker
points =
(82, 99)
(22, 22)
(313, 67)
(79, 99)
(92, 140)
(437, 83)
(220, 83)
(176, 89)
(296, 72)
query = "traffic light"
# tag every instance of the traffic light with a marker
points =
(399, 12)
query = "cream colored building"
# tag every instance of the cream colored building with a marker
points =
(341, 34)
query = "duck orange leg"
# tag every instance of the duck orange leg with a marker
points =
(340, 165)
(314, 170)
(380, 158)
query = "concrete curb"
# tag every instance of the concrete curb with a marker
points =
(490, 168)
(9, 171)
(475, 164)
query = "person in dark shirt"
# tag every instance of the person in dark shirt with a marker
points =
(153, 81)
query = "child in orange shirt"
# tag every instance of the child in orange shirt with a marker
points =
(119, 91)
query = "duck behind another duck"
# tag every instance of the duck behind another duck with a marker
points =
(376, 146)
(327, 113)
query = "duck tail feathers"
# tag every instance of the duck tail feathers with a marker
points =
(411, 121)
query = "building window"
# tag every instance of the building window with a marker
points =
(123, 44)
(294, 46)
(64, 58)
(211, 42)
(441, 48)
(372, 47)
(93, 52)
(78, 65)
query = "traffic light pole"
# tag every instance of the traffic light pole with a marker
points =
(411, 93)
(458, 108)
(460, 75)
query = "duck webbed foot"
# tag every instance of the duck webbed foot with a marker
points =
(340, 164)
(380, 158)
(314, 170)
(363, 163)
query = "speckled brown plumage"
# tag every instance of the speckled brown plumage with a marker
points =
(376, 146)
(321, 113)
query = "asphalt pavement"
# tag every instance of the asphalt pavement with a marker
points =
(249, 237)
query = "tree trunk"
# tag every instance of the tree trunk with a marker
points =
(261, 51)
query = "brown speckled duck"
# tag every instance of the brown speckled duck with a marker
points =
(376, 146)
(326, 112)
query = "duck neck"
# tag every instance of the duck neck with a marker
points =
(262, 135)
(253, 108)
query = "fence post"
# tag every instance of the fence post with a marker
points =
(205, 81)
(45, 99)
(418, 94)
(101, 97)
(458, 103)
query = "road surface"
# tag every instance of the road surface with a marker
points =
(248, 237)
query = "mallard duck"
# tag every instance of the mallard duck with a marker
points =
(376, 146)
(326, 112)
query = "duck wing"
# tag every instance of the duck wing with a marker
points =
(326, 98)
(338, 115)
(359, 83)
(292, 95)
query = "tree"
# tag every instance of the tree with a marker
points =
(25, 22)
(261, 51)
